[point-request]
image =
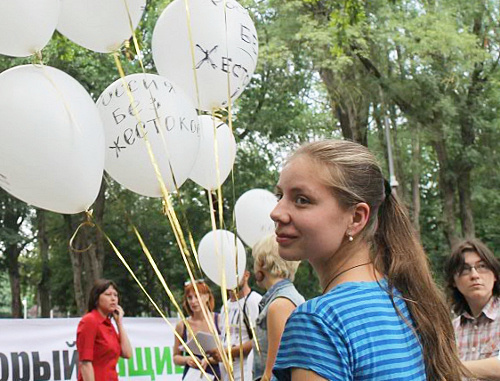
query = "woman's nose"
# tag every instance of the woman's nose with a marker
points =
(279, 214)
(473, 272)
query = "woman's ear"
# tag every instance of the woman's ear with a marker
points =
(259, 276)
(360, 217)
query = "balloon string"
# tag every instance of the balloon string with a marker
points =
(134, 38)
(212, 211)
(178, 233)
(165, 194)
(73, 237)
(61, 95)
(167, 203)
(139, 55)
(168, 206)
(211, 327)
(153, 264)
(193, 58)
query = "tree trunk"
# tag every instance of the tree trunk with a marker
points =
(465, 205)
(12, 252)
(351, 113)
(14, 212)
(76, 266)
(43, 247)
(446, 183)
(415, 181)
(99, 207)
(399, 165)
(87, 252)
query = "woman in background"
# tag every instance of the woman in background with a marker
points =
(99, 345)
(276, 276)
(197, 322)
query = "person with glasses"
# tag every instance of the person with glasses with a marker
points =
(472, 274)
(198, 323)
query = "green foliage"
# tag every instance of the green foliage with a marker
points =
(434, 63)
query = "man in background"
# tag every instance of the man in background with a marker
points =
(242, 311)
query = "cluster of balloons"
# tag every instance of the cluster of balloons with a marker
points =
(144, 129)
(144, 126)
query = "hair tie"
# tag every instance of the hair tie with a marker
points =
(387, 188)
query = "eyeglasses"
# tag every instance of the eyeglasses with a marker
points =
(481, 268)
(197, 281)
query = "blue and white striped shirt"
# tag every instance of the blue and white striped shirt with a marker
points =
(352, 333)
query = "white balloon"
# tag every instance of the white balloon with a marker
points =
(252, 212)
(210, 170)
(26, 26)
(217, 253)
(51, 139)
(218, 56)
(174, 135)
(100, 25)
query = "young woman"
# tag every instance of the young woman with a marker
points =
(99, 345)
(197, 322)
(380, 317)
(472, 277)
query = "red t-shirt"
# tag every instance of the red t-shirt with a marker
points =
(97, 341)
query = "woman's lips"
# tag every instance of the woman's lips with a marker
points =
(284, 239)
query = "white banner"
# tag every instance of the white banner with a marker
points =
(45, 350)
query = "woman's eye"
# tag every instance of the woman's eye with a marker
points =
(278, 196)
(301, 200)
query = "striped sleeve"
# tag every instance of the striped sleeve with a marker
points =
(308, 343)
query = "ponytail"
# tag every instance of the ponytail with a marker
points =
(399, 255)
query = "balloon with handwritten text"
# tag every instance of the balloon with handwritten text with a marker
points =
(100, 25)
(223, 40)
(222, 258)
(26, 26)
(51, 139)
(213, 166)
(147, 108)
(252, 213)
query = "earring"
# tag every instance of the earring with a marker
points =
(349, 237)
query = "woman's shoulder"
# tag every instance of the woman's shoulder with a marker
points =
(91, 317)
(89, 321)
(179, 327)
(289, 291)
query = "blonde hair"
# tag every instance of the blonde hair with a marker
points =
(265, 254)
(352, 173)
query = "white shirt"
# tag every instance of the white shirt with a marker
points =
(235, 318)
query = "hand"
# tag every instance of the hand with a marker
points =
(118, 314)
(204, 364)
(190, 362)
(215, 354)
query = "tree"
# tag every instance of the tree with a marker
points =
(13, 215)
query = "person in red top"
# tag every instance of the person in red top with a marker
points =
(99, 345)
